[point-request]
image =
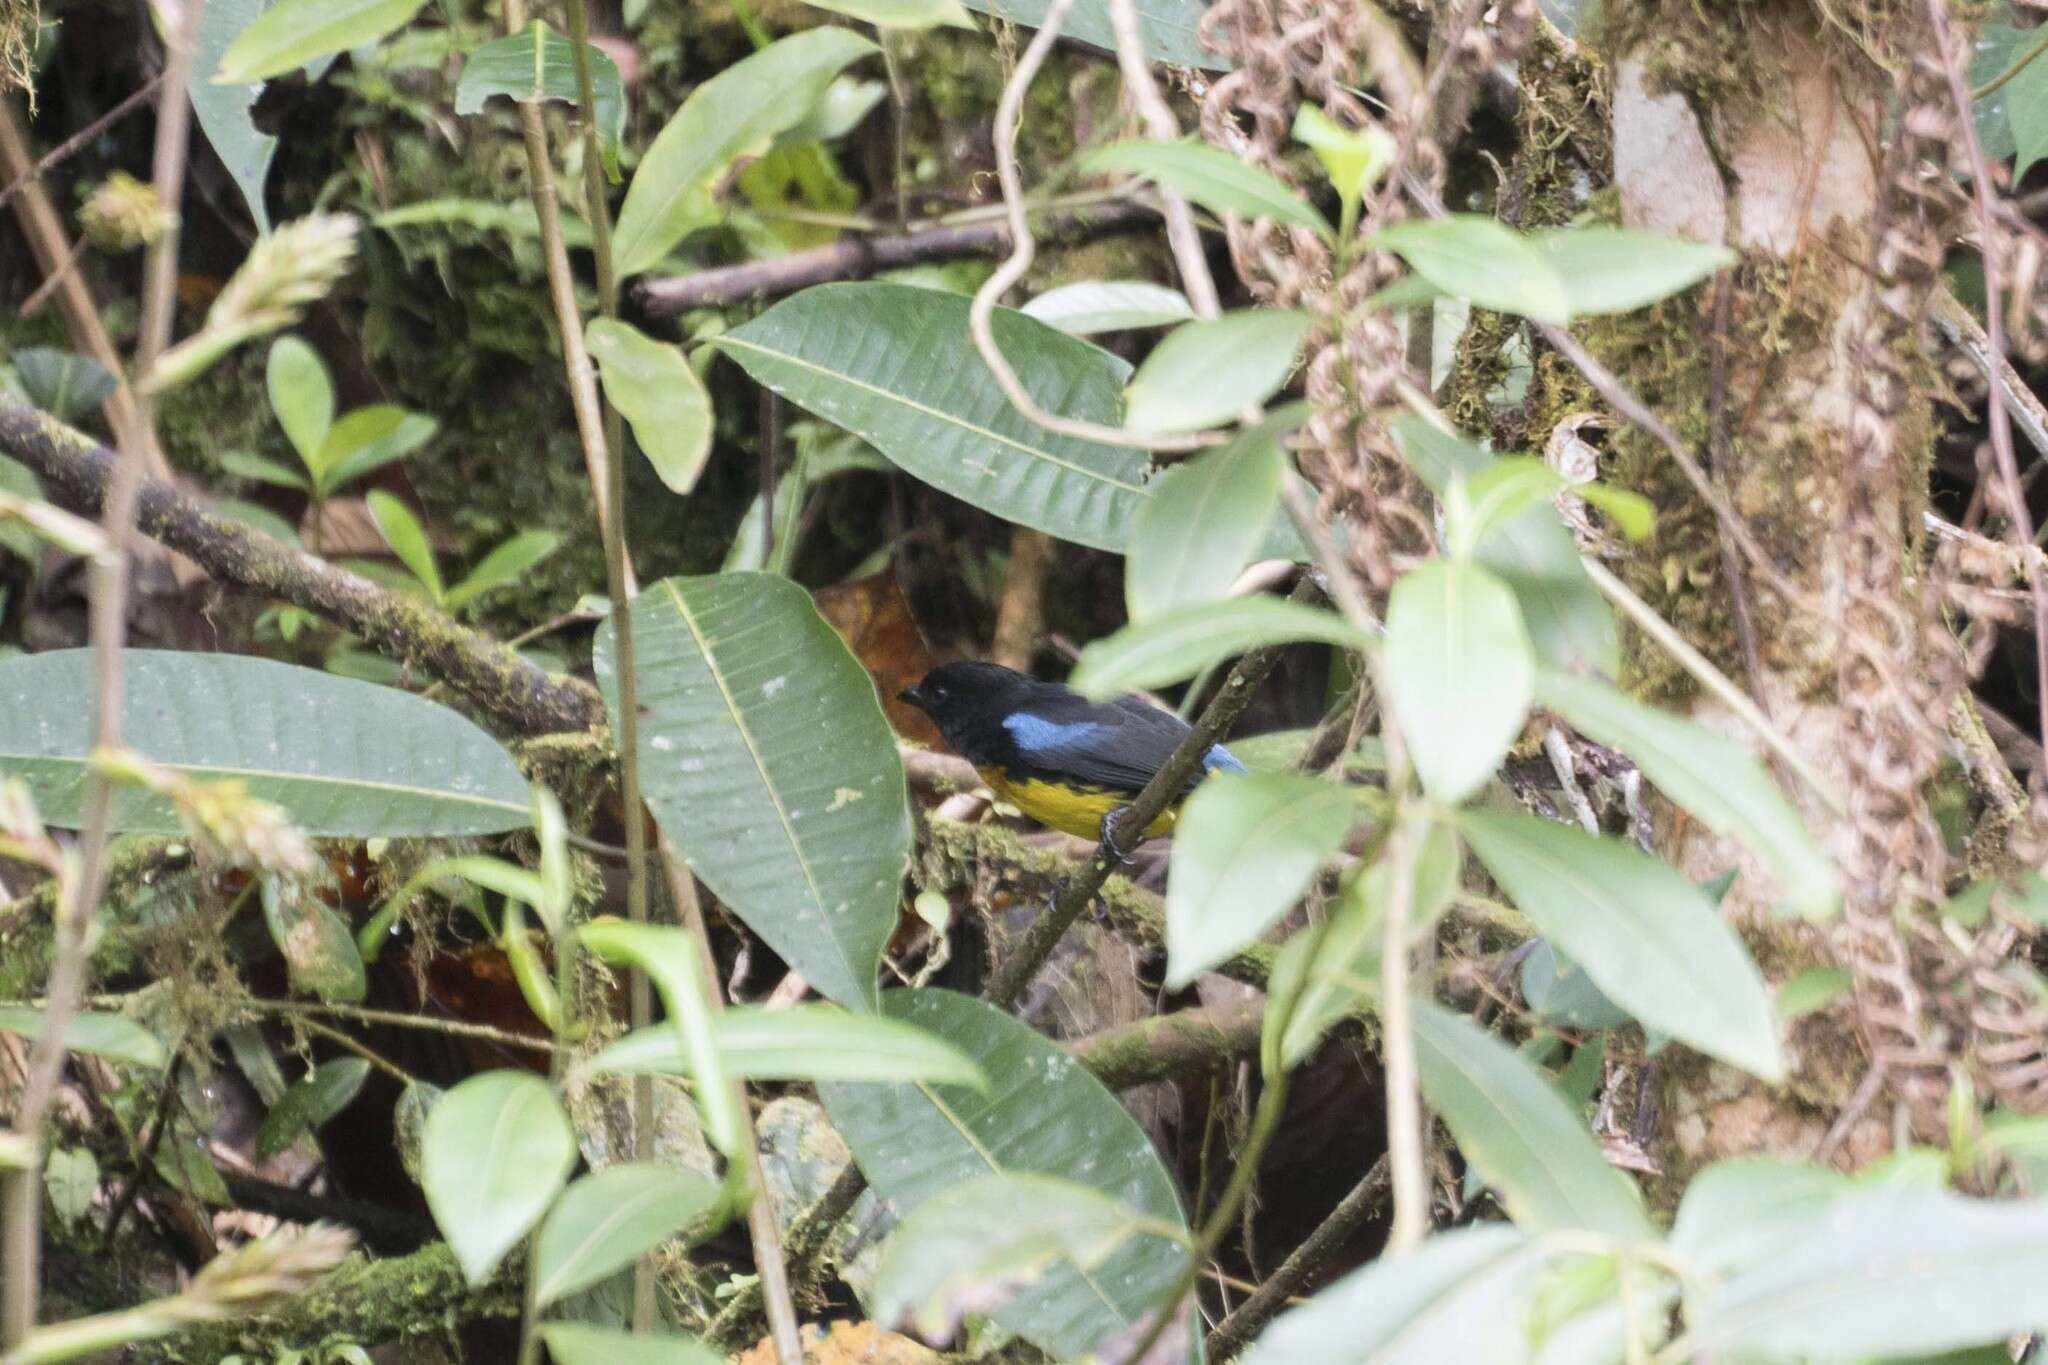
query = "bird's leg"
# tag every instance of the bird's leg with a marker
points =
(1112, 846)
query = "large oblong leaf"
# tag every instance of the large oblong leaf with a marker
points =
(1166, 28)
(1518, 1132)
(1461, 672)
(658, 394)
(766, 758)
(344, 758)
(294, 32)
(113, 1036)
(1180, 643)
(1715, 778)
(896, 365)
(1044, 1115)
(1248, 844)
(1207, 373)
(801, 1043)
(604, 1221)
(1481, 261)
(736, 113)
(1651, 940)
(223, 110)
(495, 1150)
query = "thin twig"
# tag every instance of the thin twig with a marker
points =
(1364, 1199)
(456, 1028)
(1181, 234)
(1965, 333)
(1994, 330)
(108, 631)
(84, 135)
(1410, 1175)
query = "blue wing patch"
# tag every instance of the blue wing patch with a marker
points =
(1036, 735)
(1220, 759)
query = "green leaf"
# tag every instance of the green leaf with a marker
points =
(311, 1101)
(244, 465)
(1461, 673)
(1616, 270)
(860, 356)
(1043, 1115)
(495, 1151)
(1181, 643)
(1811, 991)
(735, 114)
(997, 1229)
(573, 1343)
(1634, 514)
(113, 1036)
(1650, 939)
(1713, 777)
(2026, 111)
(62, 383)
(503, 565)
(1246, 847)
(768, 762)
(1482, 262)
(1207, 373)
(1354, 161)
(301, 395)
(344, 758)
(72, 1177)
(607, 1220)
(1887, 1270)
(1206, 517)
(909, 14)
(1519, 1134)
(802, 1043)
(1458, 1299)
(369, 438)
(1166, 28)
(1569, 622)
(1562, 995)
(538, 64)
(223, 110)
(320, 953)
(293, 32)
(1495, 497)
(660, 396)
(408, 540)
(1740, 1212)
(846, 103)
(1089, 306)
(1219, 181)
(1998, 46)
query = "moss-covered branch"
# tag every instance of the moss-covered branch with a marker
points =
(1172, 1046)
(517, 697)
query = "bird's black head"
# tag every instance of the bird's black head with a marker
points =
(968, 698)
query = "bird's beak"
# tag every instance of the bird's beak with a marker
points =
(911, 695)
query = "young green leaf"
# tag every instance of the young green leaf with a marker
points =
(609, 1219)
(908, 14)
(62, 383)
(1460, 1298)
(344, 758)
(368, 438)
(1518, 1132)
(1716, 779)
(803, 1043)
(1247, 846)
(1482, 262)
(1043, 1115)
(504, 564)
(408, 540)
(1208, 373)
(574, 1343)
(1206, 517)
(320, 954)
(999, 1229)
(1496, 496)
(769, 763)
(293, 32)
(301, 395)
(538, 64)
(669, 958)
(857, 355)
(1354, 161)
(1089, 306)
(1215, 179)
(1890, 1271)
(71, 1175)
(1181, 643)
(494, 1152)
(311, 1101)
(1650, 939)
(1615, 270)
(659, 395)
(262, 470)
(113, 1036)
(1460, 671)
(736, 113)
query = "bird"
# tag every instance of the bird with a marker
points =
(1063, 760)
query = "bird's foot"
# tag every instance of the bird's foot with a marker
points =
(1112, 846)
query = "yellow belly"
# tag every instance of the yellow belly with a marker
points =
(1071, 810)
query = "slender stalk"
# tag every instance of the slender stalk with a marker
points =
(1397, 1047)
(565, 1021)
(1235, 1332)
(20, 1244)
(619, 579)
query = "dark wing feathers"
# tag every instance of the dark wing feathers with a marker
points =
(1119, 745)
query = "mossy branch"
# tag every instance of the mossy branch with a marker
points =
(512, 694)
